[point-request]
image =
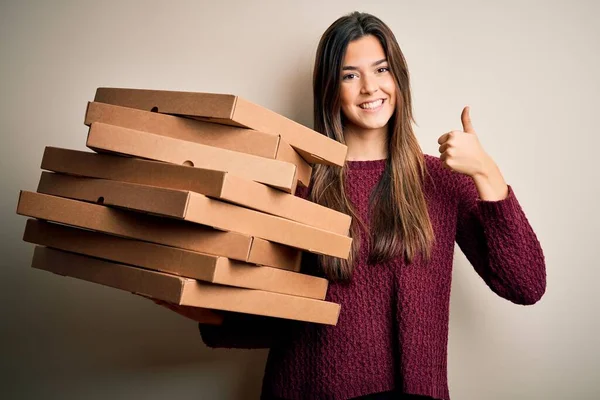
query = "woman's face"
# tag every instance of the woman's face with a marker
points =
(368, 89)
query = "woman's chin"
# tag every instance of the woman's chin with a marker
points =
(369, 123)
(372, 125)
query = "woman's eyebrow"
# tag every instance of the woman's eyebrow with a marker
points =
(352, 68)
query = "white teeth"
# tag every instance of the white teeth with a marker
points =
(371, 105)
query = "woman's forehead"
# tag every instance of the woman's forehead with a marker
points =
(364, 52)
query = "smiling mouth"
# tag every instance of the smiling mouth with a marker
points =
(372, 105)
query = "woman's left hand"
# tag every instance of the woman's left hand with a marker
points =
(461, 151)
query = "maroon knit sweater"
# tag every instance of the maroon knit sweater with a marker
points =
(392, 331)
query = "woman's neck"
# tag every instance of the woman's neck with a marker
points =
(366, 144)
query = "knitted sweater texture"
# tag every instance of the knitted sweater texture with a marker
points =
(392, 331)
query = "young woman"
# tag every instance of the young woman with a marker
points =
(408, 209)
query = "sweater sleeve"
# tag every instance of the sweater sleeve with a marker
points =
(244, 331)
(498, 240)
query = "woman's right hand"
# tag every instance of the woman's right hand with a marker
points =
(198, 314)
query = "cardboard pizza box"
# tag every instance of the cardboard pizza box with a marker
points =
(227, 137)
(194, 207)
(186, 263)
(166, 231)
(228, 109)
(115, 139)
(215, 184)
(185, 291)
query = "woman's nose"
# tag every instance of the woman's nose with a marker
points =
(369, 85)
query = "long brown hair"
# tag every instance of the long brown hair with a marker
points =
(400, 222)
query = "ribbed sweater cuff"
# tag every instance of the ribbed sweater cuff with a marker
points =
(500, 211)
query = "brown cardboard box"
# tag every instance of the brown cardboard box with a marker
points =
(230, 110)
(115, 139)
(170, 232)
(226, 137)
(175, 261)
(216, 184)
(197, 208)
(185, 291)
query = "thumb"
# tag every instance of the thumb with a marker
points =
(466, 120)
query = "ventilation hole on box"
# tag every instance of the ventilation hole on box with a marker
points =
(154, 109)
(188, 163)
(100, 200)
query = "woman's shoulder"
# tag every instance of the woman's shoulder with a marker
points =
(440, 179)
(436, 170)
(433, 163)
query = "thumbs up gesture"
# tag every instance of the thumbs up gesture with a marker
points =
(461, 151)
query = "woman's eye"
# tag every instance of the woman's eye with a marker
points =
(383, 69)
(349, 76)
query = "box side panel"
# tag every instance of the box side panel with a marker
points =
(169, 102)
(135, 280)
(141, 198)
(230, 217)
(259, 302)
(269, 279)
(184, 291)
(243, 140)
(314, 147)
(288, 154)
(110, 138)
(272, 254)
(133, 170)
(169, 232)
(126, 251)
(262, 198)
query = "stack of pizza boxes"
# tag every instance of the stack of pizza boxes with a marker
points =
(189, 198)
